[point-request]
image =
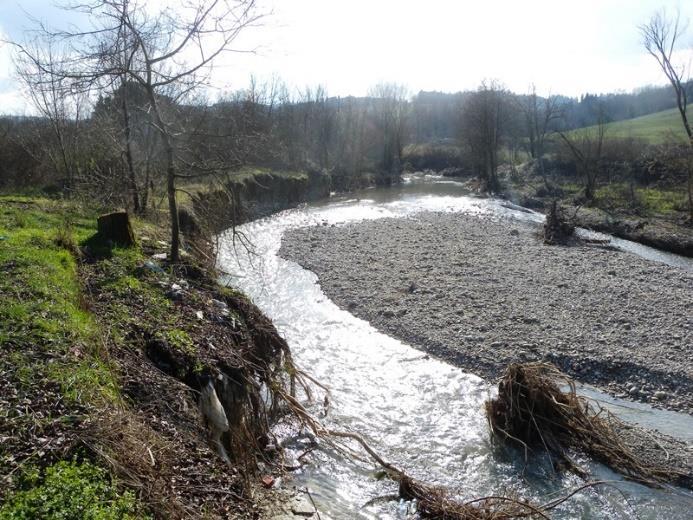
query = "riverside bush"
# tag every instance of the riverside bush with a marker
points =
(72, 491)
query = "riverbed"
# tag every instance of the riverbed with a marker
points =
(483, 292)
(417, 411)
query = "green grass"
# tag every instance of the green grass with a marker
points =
(180, 340)
(71, 491)
(660, 127)
(53, 348)
(647, 201)
(41, 304)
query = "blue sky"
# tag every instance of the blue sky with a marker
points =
(562, 46)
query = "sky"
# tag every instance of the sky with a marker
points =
(561, 46)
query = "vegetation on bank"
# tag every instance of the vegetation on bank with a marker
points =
(52, 365)
(103, 352)
(70, 490)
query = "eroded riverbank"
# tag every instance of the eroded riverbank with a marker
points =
(483, 293)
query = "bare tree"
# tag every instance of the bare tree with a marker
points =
(586, 145)
(660, 38)
(539, 114)
(390, 108)
(168, 53)
(482, 129)
(60, 107)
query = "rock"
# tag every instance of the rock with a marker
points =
(116, 228)
(302, 507)
(175, 292)
(221, 307)
(633, 390)
(660, 395)
(388, 313)
(199, 315)
(219, 304)
(514, 232)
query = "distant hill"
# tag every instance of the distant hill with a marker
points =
(655, 128)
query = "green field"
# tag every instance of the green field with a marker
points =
(655, 128)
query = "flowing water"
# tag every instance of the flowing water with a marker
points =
(420, 413)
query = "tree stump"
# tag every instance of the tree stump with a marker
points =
(116, 228)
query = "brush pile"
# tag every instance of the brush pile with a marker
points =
(538, 408)
(557, 228)
(435, 502)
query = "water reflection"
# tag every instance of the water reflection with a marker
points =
(423, 415)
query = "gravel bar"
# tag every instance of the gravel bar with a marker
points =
(482, 293)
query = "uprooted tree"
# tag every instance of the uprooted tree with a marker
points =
(167, 52)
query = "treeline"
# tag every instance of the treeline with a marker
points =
(78, 144)
(435, 115)
(111, 147)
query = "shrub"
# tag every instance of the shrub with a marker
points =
(72, 491)
(435, 157)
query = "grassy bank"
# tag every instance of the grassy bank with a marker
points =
(657, 128)
(52, 368)
(103, 350)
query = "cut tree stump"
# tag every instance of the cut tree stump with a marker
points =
(116, 228)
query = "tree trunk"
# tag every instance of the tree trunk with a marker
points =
(132, 179)
(690, 172)
(690, 191)
(172, 204)
(145, 191)
(170, 179)
(589, 185)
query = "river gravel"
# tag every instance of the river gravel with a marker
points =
(483, 293)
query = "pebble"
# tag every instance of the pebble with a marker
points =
(478, 292)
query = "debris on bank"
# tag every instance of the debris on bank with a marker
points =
(538, 409)
(557, 228)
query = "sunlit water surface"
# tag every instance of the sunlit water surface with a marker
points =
(422, 414)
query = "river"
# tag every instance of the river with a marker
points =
(422, 414)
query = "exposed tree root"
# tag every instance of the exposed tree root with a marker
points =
(557, 228)
(532, 411)
(433, 501)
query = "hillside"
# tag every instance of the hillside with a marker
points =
(654, 128)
